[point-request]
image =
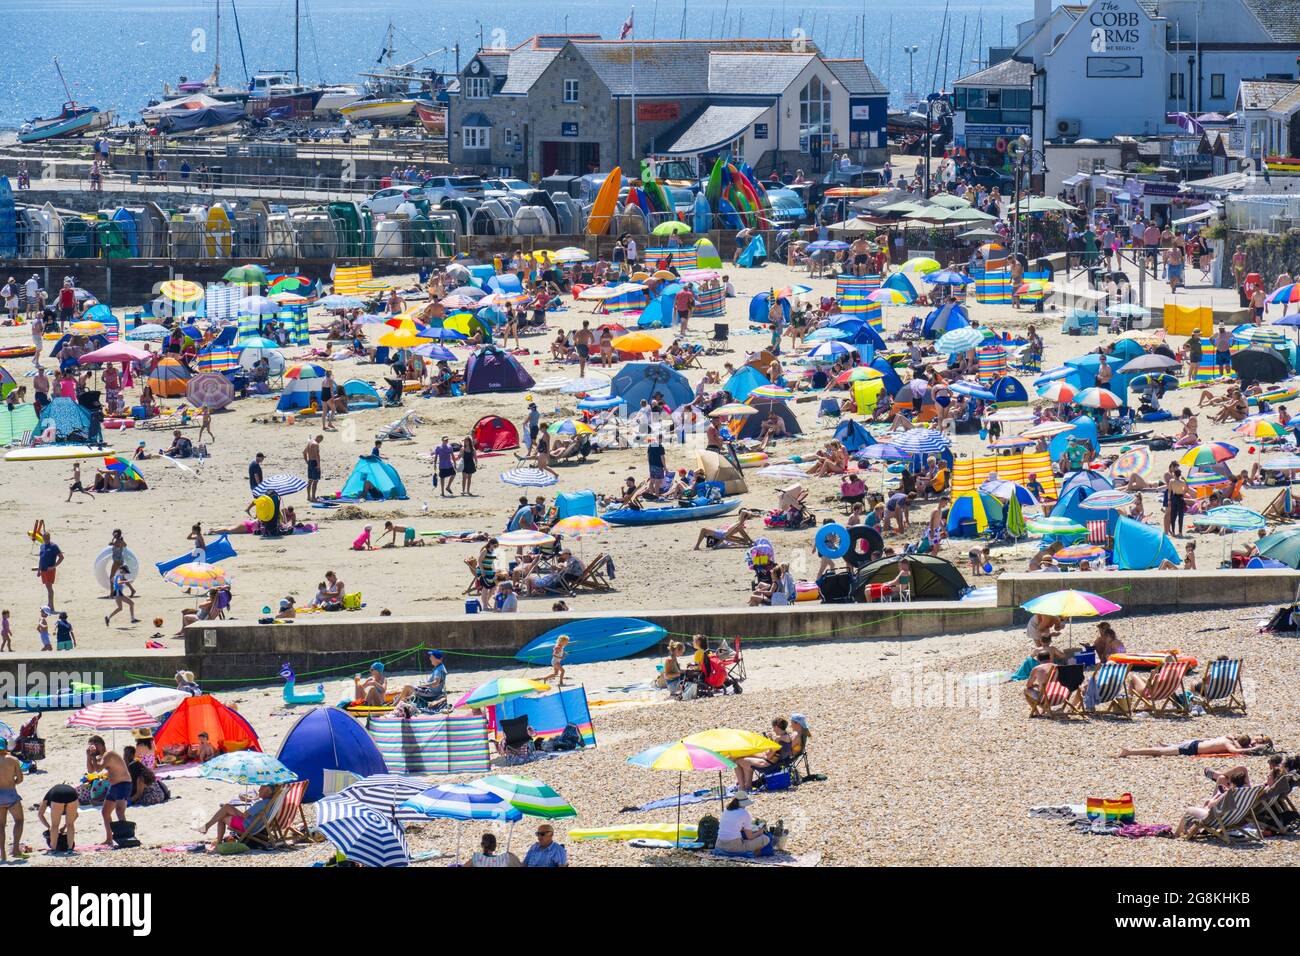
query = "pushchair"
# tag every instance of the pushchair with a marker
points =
(393, 397)
(27, 746)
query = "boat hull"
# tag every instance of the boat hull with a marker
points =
(70, 126)
(385, 111)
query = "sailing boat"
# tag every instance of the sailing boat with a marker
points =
(75, 120)
(212, 85)
(387, 99)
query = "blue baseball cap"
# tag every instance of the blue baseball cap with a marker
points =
(437, 654)
(377, 666)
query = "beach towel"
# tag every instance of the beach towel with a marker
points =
(695, 796)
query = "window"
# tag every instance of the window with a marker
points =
(1176, 87)
(509, 136)
(994, 99)
(570, 91)
(476, 137)
(975, 99)
(1216, 86)
(814, 113)
(1015, 99)
(959, 101)
(478, 87)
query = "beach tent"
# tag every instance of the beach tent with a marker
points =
(753, 424)
(492, 370)
(432, 744)
(328, 739)
(853, 435)
(1008, 391)
(1084, 428)
(637, 381)
(893, 381)
(755, 254)
(300, 393)
(169, 378)
(380, 474)
(69, 418)
(933, 578)
(1142, 547)
(719, 469)
(901, 282)
(361, 394)
(861, 333)
(972, 513)
(227, 730)
(743, 382)
(1126, 350)
(866, 395)
(759, 306)
(15, 422)
(1092, 480)
(571, 503)
(1070, 505)
(493, 433)
(707, 255)
(946, 318)
(661, 311)
(507, 284)
(549, 714)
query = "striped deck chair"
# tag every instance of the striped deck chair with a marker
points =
(1058, 700)
(1276, 801)
(257, 828)
(1163, 692)
(1233, 811)
(1111, 681)
(1097, 533)
(281, 830)
(1222, 682)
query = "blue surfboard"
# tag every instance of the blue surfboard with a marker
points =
(8, 221)
(703, 216)
(594, 640)
(219, 549)
(729, 215)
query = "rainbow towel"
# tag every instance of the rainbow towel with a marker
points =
(436, 744)
(347, 280)
(548, 714)
(710, 303)
(969, 473)
(1111, 811)
(681, 259)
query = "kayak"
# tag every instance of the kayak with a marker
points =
(57, 452)
(671, 513)
(75, 699)
(598, 639)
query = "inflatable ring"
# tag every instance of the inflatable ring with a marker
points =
(752, 458)
(104, 561)
(265, 508)
(829, 533)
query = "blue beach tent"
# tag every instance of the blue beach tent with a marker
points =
(381, 476)
(328, 739)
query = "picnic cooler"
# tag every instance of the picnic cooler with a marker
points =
(878, 592)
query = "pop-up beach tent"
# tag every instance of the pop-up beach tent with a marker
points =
(373, 477)
(328, 739)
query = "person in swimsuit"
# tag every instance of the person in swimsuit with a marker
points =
(229, 816)
(468, 464)
(1243, 744)
(99, 759)
(61, 803)
(371, 688)
(11, 804)
(391, 531)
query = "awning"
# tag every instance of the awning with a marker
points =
(716, 126)
(1197, 217)
(1076, 179)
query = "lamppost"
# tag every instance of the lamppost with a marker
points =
(1024, 167)
(911, 76)
(929, 136)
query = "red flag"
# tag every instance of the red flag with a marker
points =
(628, 25)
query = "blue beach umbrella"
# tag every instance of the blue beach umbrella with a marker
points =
(248, 768)
(360, 832)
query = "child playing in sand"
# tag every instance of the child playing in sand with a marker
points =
(75, 483)
(978, 559)
(43, 628)
(363, 541)
(409, 539)
(557, 662)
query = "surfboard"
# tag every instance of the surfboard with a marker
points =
(594, 640)
(76, 699)
(57, 453)
(702, 216)
(602, 210)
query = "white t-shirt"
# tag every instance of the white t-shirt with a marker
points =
(631, 250)
(733, 822)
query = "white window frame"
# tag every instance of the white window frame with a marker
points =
(572, 90)
(478, 87)
(476, 137)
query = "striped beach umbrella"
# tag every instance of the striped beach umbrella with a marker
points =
(524, 539)
(860, 373)
(830, 352)
(772, 392)
(462, 801)
(1264, 429)
(888, 297)
(948, 277)
(1102, 398)
(920, 441)
(959, 340)
(1231, 517)
(529, 478)
(1207, 454)
(578, 526)
(1058, 391)
(249, 768)
(529, 796)
(827, 333)
(387, 792)
(84, 328)
(361, 833)
(499, 690)
(1108, 500)
(198, 575)
(570, 254)
(1135, 461)
(1286, 294)
(112, 716)
(1047, 430)
(681, 757)
(1260, 335)
(435, 351)
(181, 290)
(209, 390)
(281, 484)
(1052, 527)
(1071, 603)
(569, 426)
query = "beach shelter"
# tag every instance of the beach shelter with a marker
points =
(1092, 480)
(493, 433)
(439, 743)
(743, 382)
(753, 424)
(759, 306)
(853, 436)
(946, 318)
(755, 254)
(16, 421)
(549, 714)
(169, 378)
(707, 255)
(69, 418)
(637, 381)
(492, 370)
(972, 513)
(661, 311)
(227, 730)
(361, 394)
(893, 381)
(1084, 428)
(569, 504)
(720, 469)
(860, 333)
(1008, 391)
(1070, 505)
(301, 392)
(933, 578)
(1142, 547)
(371, 477)
(328, 739)
(902, 282)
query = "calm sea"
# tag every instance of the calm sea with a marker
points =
(117, 54)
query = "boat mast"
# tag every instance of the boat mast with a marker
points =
(58, 69)
(297, 76)
(216, 67)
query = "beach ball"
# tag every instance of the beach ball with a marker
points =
(988, 569)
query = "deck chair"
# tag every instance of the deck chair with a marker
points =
(1163, 693)
(281, 830)
(1097, 533)
(256, 832)
(1276, 801)
(1222, 683)
(1237, 808)
(593, 576)
(1062, 696)
(1111, 681)
(515, 742)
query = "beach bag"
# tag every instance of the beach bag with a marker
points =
(124, 834)
(706, 831)
(1107, 810)
(690, 691)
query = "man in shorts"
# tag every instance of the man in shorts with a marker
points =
(47, 566)
(311, 455)
(11, 804)
(445, 456)
(119, 782)
(582, 340)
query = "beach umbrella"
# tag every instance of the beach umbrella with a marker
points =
(921, 265)
(948, 277)
(115, 352)
(733, 410)
(773, 392)
(570, 254)
(1135, 461)
(1005, 490)
(445, 334)
(1286, 294)
(1108, 500)
(637, 342)
(281, 485)
(149, 332)
(598, 403)
(305, 372)
(435, 351)
(1047, 430)
(670, 228)
(1053, 527)
(827, 245)
(361, 833)
(916, 388)
(246, 275)
(122, 467)
(1058, 391)
(501, 299)
(463, 801)
(529, 796)
(249, 768)
(1070, 604)
(156, 701)
(529, 478)
(581, 386)
(402, 339)
(341, 303)
(499, 690)
(85, 328)
(1030, 286)
(1231, 517)
(959, 340)
(570, 426)
(860, 373)
(258, 342)
(1281, 546)
(1260, 336)
(578, 526)
(1207, 454)
(681, 757)
(1102, 398)
(469, 292)
(524, 538)
(920, 441)
(974, 390)
(1151, 362)
(198, 575)
(883, 451)
(888, 297)
(114, 715)
(257, 305)
(828, 333)
(209, 390)
(181, 290)
(290, 282)
(1263, 429)
(1054, 375)
(386, 792)
(731, 743)
(830, 352)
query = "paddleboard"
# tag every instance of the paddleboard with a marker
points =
(669, 515)
(599, 639)
(57, 453)
(702, 216)
(75, 700)
(606, 202)
(219, 549)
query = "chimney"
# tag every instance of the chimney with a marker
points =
(1042, 37)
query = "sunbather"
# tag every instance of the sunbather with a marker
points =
(1194, 815)
(745, 766)
(733, 535)
(237, 819)
(1243, 744)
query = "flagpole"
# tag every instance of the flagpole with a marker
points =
(631, 21)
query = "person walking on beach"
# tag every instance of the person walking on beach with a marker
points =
(47, 567)
(311, 455)
(11, 804)
(6, 632)
(255, 471)
(582, 341)
(118, 586)
(99, 759)
(468, 464)
(445, 457)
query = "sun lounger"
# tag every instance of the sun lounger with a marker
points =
(1163, 693)
(593, 577)
(1058, 699)
(1111, 681)
(1236, 809)
(1222, 684)
(1276, 801)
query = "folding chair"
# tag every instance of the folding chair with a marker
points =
(1111, 681)
(281, 829)
(1062, 695)
(593, 577)
(515, 742)
(1161, 695)
(1276, 801)
(1222, 683)
(1236, 807)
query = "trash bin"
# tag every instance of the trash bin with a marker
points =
(135, 176)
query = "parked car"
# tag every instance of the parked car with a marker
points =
(988, 177)
(387, 200)
(506, 187)
(439, 188)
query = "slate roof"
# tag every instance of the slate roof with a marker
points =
(1008, 73)
(857, 77)
(1262, 94)
(525, 68)
(665, 68)
(715, 126)
(756, 74)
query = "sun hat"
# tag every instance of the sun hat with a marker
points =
(799, 719)
(437, 654)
